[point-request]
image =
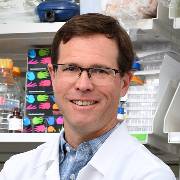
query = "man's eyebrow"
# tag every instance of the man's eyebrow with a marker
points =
(72, 64)
(99, 66)
(91, 66)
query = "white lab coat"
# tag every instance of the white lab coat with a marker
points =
(121, 157)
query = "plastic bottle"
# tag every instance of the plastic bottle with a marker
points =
(15, 122)
(136, 79)
(120, 113)
(9, 94)
(17, 78)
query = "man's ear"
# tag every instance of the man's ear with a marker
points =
(51, 72)
(125, 82)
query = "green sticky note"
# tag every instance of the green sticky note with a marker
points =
(141, 137)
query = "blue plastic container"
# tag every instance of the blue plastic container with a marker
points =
(57, 11)
(136, 66)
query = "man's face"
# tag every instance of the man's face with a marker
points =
(88, 107)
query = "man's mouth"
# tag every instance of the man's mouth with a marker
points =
(83, 103)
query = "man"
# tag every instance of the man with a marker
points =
(91, 69)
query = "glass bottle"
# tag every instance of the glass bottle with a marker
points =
(15, 122)
(18, 81)
(9, 94)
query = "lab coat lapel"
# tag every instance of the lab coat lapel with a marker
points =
(115, 146)
(48, 164)
(52, 172)
(47, 171)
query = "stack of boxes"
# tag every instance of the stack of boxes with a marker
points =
(142, 95)
(42, 113)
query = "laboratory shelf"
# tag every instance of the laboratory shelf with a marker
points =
(23, 27)
(147, 72)
(174, 13)
(26, 137)
(162, 145)
(174, 137)
(169, 78)
(13, 143)
(17, 38)
(176, 24)
(168, 97)
(172, 116)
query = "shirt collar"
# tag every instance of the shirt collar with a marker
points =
(93, 144)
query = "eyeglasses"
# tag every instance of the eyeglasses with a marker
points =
(98, 75)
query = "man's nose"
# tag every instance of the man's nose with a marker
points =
(84, 82)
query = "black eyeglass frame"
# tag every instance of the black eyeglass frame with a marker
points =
(87, 69)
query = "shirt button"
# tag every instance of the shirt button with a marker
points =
(67, 149)
(72, 177)
(71, 159)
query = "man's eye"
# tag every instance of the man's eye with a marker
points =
(100, 71)
(71, 68)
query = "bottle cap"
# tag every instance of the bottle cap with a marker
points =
(136, 66)
(6, 63)
(120, 110)
(16, 111)
(16, 71)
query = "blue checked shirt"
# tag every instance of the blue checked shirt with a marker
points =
(73, 160)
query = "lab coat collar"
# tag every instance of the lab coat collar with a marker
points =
(50, 152)
(49, 159)
(118, 146)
